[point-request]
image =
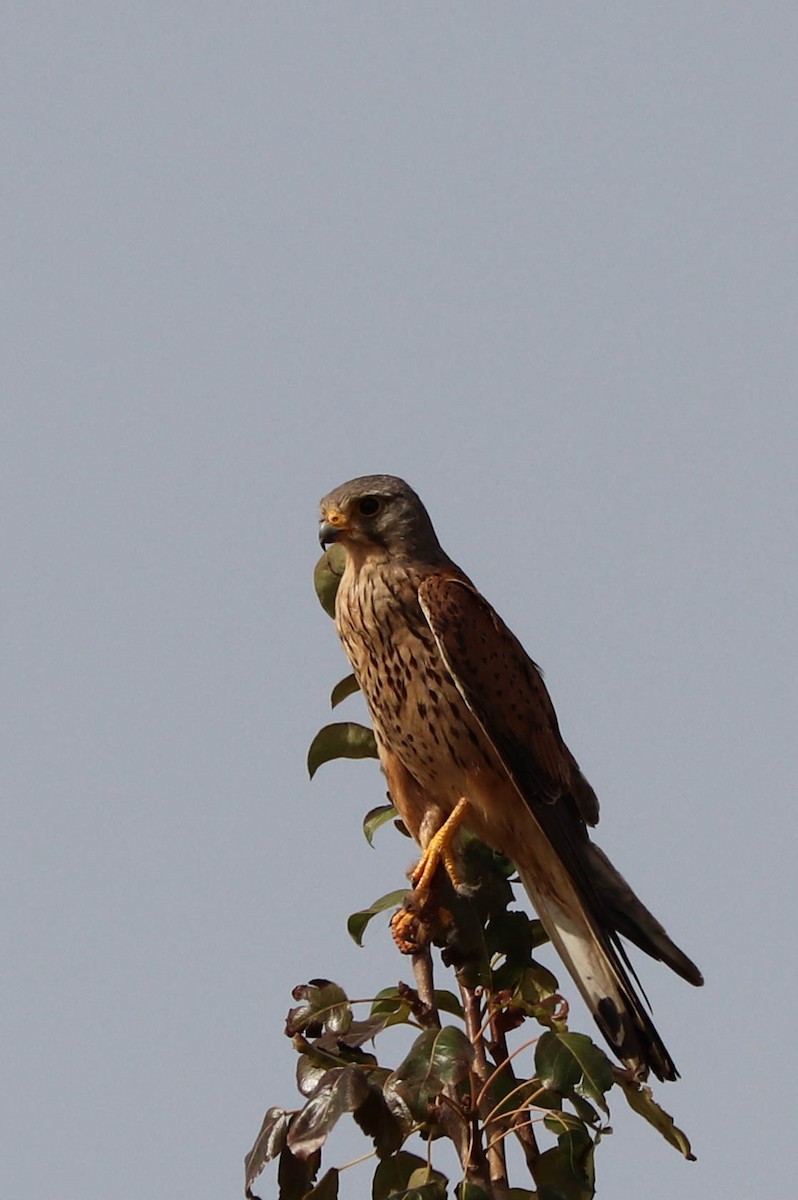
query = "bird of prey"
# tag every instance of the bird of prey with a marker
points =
(467, 733)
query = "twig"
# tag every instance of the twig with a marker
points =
(504, 1061)
(523, 1130)
(494, 1154)
(451, 1117)
(425, 984)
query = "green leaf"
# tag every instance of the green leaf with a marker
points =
(512, 934)
(556, 1067)
(641, 1099)
(447, 1002)
(535, 984)
(508, 1094)
(358, 921)
(341, 1090)
(391, 1007)
(574, 1142)
(376, 817)
(388, 1000)
(568, 1062)
(556, 1180)
(268, 1144)
(326, 1188)
(470, 1191)
(452, 1054)
(441, 1055)
(425, 1183)
(342, 739)
(327, 576)
(392, 1175)
(435, 1190)
(378, 1122)
(345, 687)
(584, 1109)
(437, 1057)
(546, 1098)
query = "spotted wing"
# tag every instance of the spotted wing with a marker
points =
(504, 689)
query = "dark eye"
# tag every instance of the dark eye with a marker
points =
(368, 506)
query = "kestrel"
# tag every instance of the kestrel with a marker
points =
(467, 733)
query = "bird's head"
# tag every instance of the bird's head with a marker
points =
(379, 515)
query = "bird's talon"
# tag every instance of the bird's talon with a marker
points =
(408, 931)
(439, 850)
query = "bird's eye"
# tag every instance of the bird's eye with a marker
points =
(368, 506)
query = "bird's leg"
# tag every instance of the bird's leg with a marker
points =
(413, 925)
(439, 849)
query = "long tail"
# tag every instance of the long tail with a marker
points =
(632, 919)
(595, 961)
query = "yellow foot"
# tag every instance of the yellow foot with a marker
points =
(439, 849)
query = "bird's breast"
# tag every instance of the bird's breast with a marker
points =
(417, 711)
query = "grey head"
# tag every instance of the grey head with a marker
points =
(379, 514)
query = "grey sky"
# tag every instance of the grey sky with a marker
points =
(541, 261)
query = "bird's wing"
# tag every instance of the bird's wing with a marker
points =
(504, 689)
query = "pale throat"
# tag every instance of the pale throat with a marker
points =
(361, 554)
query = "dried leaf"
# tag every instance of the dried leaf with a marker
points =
(326, 1054)
(295, 1175)
(641, 1099)
(310, 1070)
(358, 1033)
(268, 1144)
(327, 1187)
(340, 1091)
(324, 1005)
(399, 1106)
(378, 1122)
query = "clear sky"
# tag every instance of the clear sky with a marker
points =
(540, 260)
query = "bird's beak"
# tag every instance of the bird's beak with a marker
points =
(327, 534)
(331, 527)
